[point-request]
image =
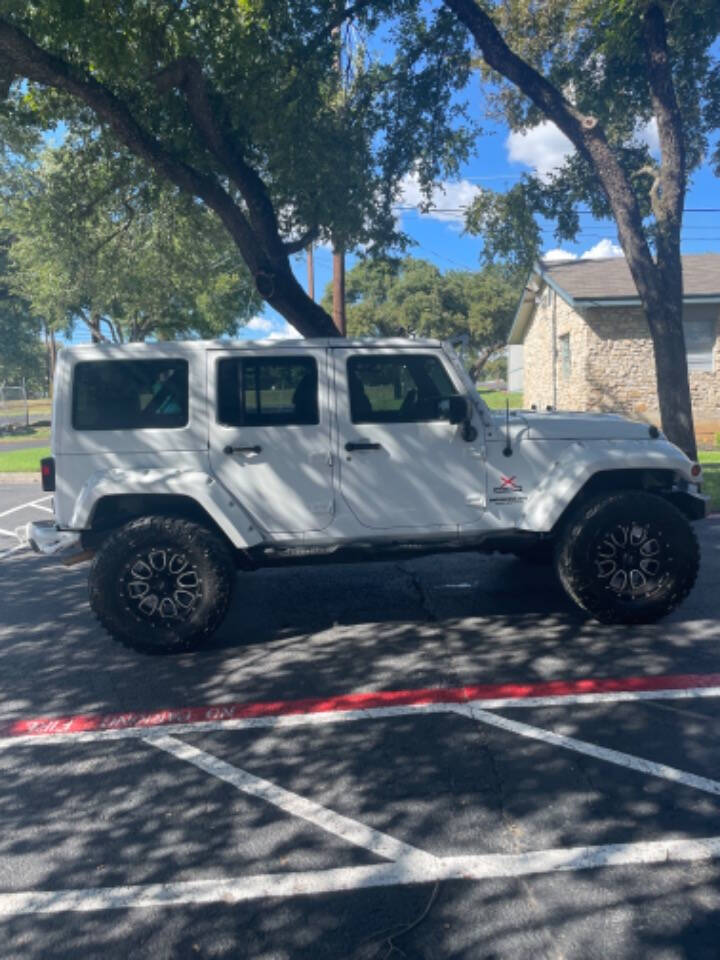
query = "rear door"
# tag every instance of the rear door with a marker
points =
(401, 463)
(270, 435)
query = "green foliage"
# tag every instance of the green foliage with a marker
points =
(496, 369)
(330, 147)
(411, 297)
(95, 238)
(21, 353)
(710, 461)
(594, 52)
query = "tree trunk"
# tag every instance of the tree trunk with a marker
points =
(284, 293)
(659, 284)
(663, 311)
(94, 326)
(50, 355)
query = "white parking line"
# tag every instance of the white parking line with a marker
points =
(592, 750)
(347, 829)
(254, 887)
(24, 506)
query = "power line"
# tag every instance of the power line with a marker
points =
(433, 209)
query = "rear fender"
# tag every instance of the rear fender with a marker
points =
(200, 487)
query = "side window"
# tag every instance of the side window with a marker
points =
(565, 356)
(699, 342)
(402, 388)
(130, 394)
(267, 391)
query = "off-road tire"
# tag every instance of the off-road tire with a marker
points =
(590, 557)
(197, 581)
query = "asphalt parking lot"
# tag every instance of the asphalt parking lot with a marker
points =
(439, 758)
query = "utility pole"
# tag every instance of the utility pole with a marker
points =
(339, 291)
(339, 254)
(311, 272)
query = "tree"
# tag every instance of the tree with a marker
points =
(239, 104)
(21, 353)
(599, 69)
(94, 239)
(411, 297)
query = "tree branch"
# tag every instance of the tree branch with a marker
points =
(186, 75)
(483, 356)
(342, 16)
(264, 254)
(669, 201)
(585, 133)
(36, 64)
(295, 246)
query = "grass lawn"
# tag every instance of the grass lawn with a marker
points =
(32, 433)
(710, 460)
(495, 399)
(22, 461)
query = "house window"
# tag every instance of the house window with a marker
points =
(699, 343)
(565, 356)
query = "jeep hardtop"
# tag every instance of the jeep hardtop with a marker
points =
(174, 465)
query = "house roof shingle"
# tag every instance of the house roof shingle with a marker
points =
(591, 283)
(610, 279)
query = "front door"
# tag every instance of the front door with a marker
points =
(270, 435)
(401, 463)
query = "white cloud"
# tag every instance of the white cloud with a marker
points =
(282, 330)
(451, 197)
(603, 248)
(544, 148)
(260, 324)
(270, 328)
(558, 254)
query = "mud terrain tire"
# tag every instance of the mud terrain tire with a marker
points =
(161, 584)
(627, 557)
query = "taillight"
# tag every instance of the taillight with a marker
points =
(47, 474)
(695, 470)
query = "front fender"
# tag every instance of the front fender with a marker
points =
(195, 484)
(582, 460)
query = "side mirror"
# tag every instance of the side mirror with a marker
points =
(458, 409)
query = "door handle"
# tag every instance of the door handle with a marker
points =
(229, 450)
(362, 446)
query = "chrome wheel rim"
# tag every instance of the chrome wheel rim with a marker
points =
(631, 561)
(162, 585)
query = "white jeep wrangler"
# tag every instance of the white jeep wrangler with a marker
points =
(176, 463)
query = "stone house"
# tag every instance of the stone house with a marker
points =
(586, 344)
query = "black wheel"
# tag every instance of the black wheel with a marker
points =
(161, 584)
(628, 557)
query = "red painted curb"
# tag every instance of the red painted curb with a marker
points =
(43, 726)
